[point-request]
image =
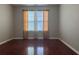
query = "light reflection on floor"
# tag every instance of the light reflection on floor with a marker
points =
(30, 50)
(38, 50)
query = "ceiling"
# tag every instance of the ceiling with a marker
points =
(33, 4)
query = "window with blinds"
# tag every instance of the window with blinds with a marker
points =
(35, 20)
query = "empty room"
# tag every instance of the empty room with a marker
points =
(39, 29)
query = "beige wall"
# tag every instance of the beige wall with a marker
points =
(6, 22)
(53, 20)
(69, 24)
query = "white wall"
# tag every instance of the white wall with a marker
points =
(53, 20)
(6, 22)
(69, 24)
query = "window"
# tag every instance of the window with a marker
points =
(30, 20)
(35, 21)
(39, 15)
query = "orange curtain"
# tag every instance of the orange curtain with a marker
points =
(25, 21)
(45, 24)
(25, 16)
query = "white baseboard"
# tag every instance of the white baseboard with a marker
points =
(5, 41)
(18, 38)
(38, 38)
(69, 46)
(28, 38)
(33, 37)
(54, 38)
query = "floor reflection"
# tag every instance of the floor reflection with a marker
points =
(40, 50)
(31, 50)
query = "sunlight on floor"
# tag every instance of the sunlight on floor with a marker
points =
(32, 50)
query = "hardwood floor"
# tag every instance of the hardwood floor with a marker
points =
(35, 47)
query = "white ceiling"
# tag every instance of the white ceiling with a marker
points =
(33, 4)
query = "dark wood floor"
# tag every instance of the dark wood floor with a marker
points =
(36, 47)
